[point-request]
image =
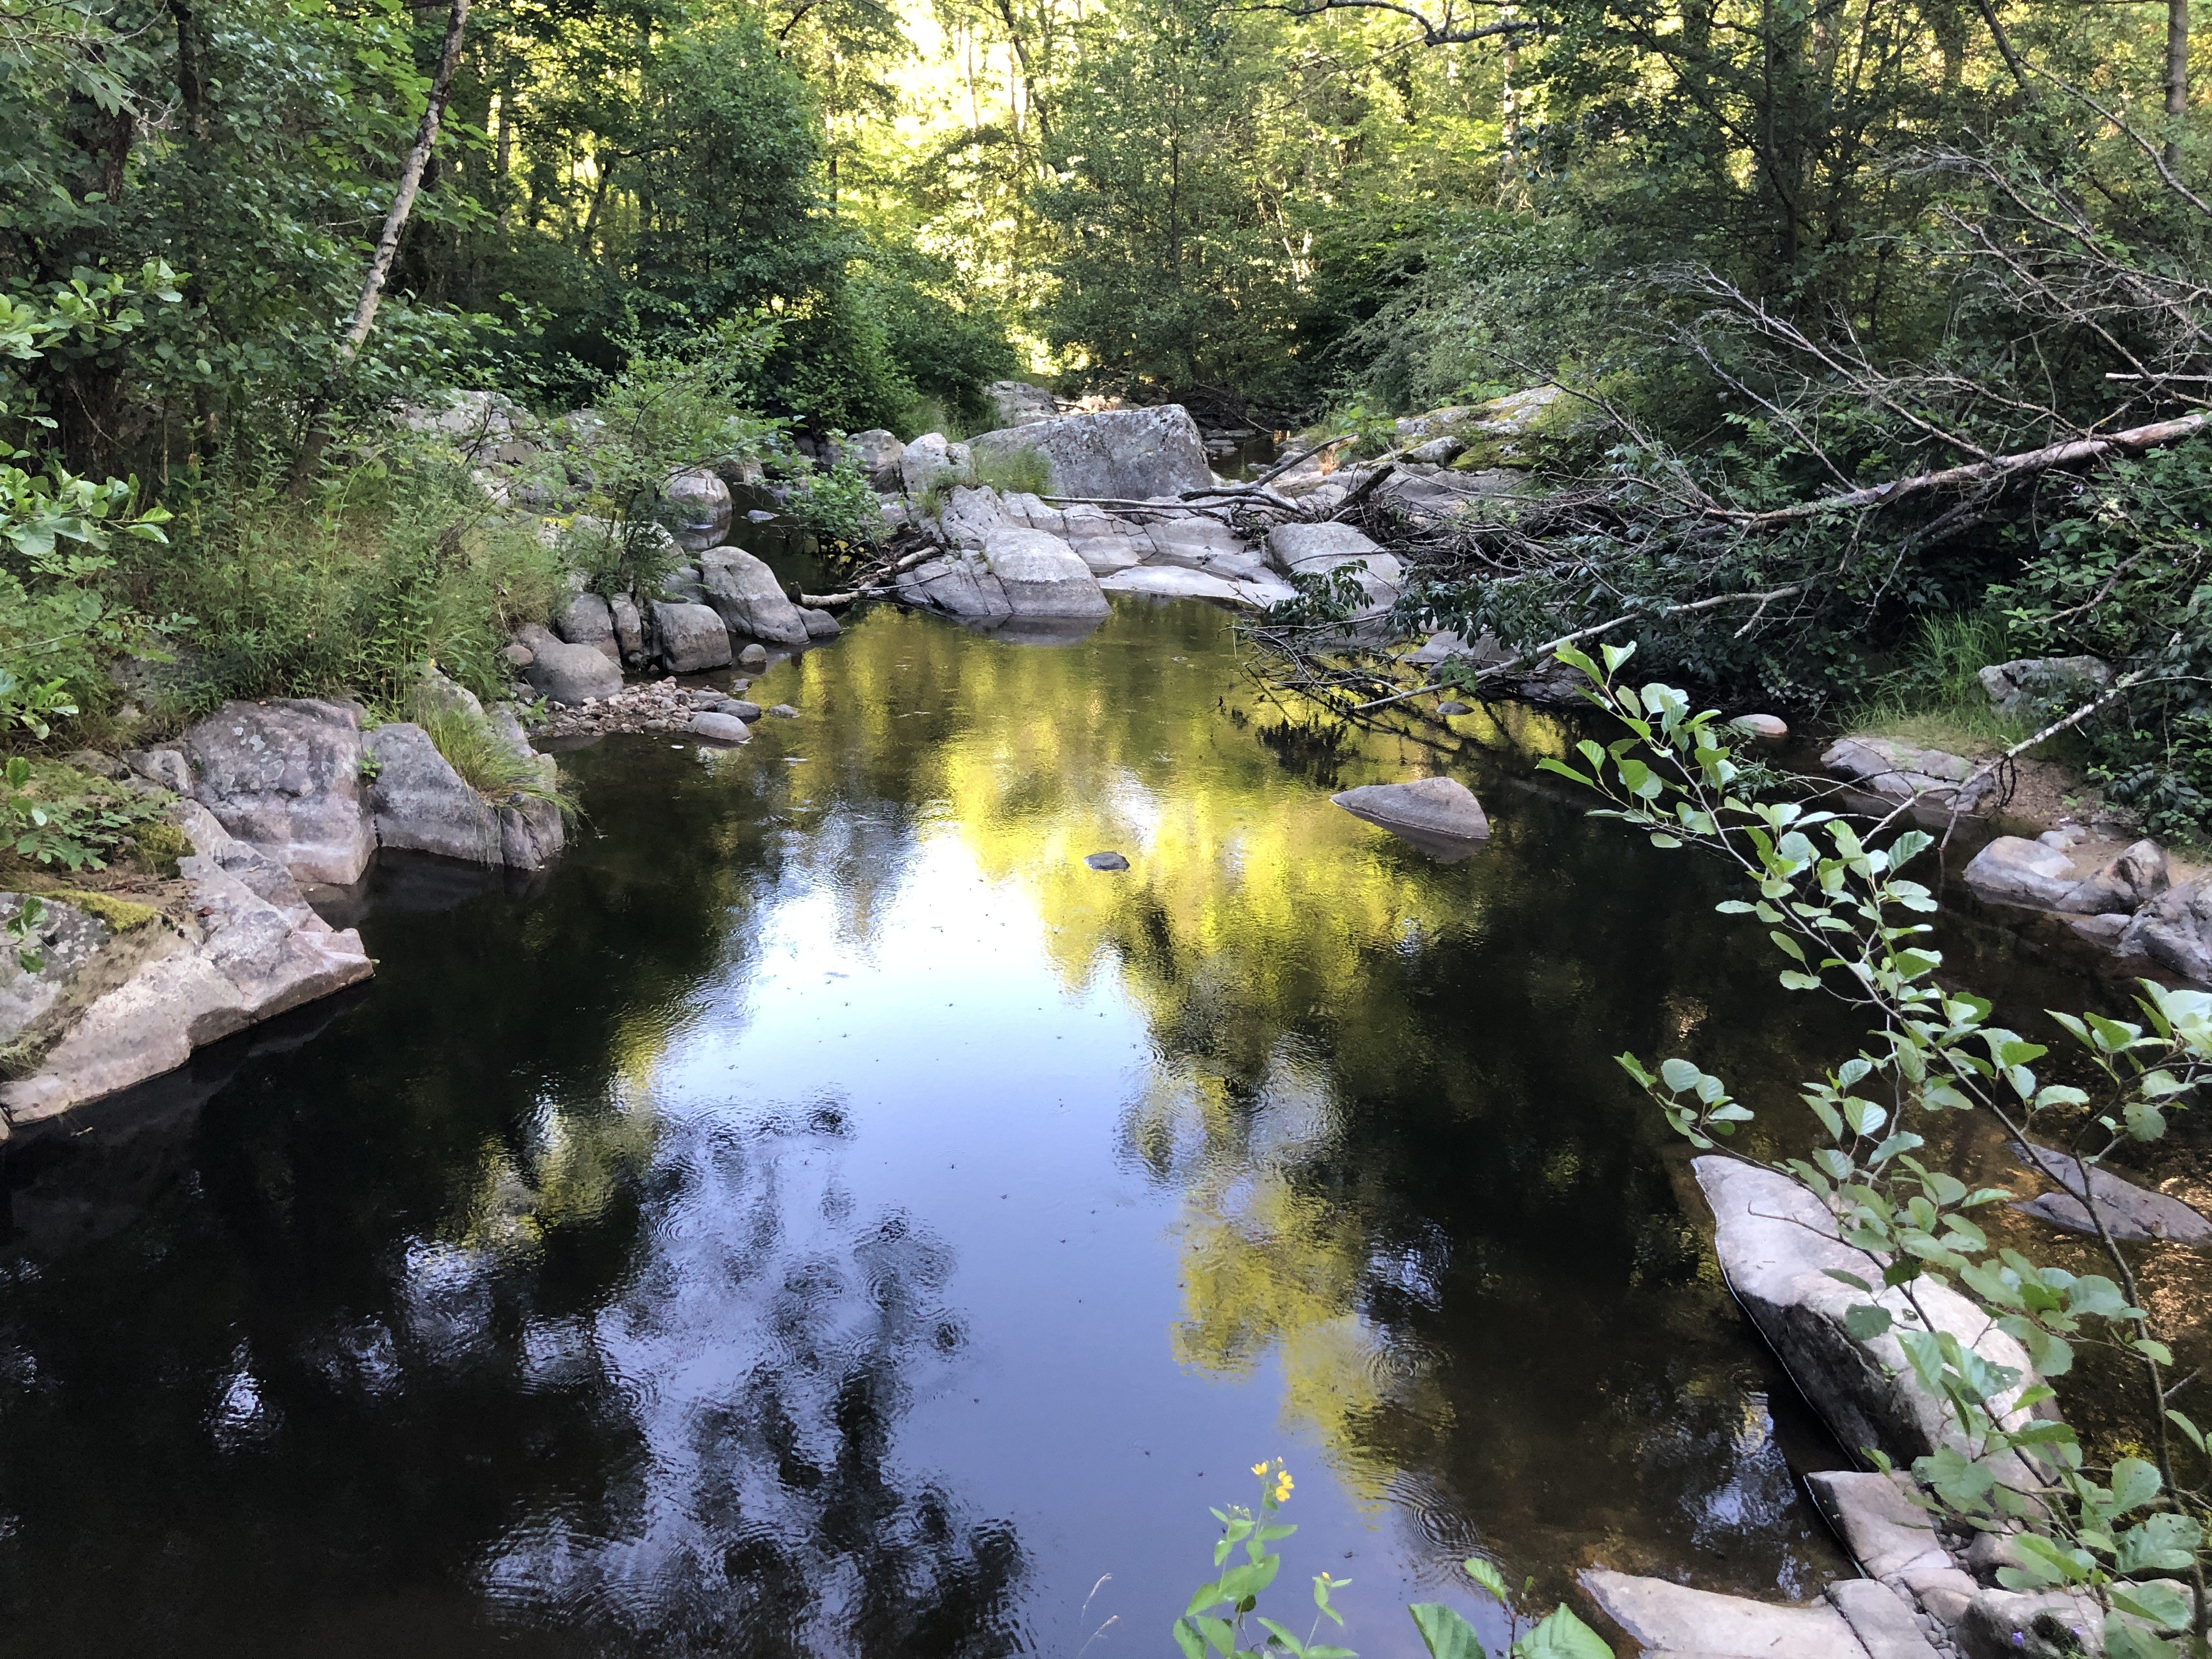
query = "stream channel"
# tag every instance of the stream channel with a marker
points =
(824, 1216)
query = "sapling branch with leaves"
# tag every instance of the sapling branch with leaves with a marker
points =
(2130, 1535)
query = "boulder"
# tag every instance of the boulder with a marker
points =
(738, 707)
(1437, 452)
(2175, 931)
(1194, 540)
(720, 728)
(1020, 403)
(1772, 727)
(587, 619)
(820, 625)
(1667, 1620)
(1443, 808)
(753, 658)
(2130, 1213)
(696, 507)
(2130, 881)
(515, 654)
(1173, 582)
(1929, 778)
(967, 516)
(137, 1005)
(1134, 454)
(2014, 871)
(1776, 1244)
(284, 776)
(629, 629)
(422, 805)
(1041, 574)
(749, 599)
(930, 459)
(2002, 1623)
(683, 583)
(692, 638)
(1437, 422)
(1103, 541)
(878, 453)
(2020, 688)
(1317, 549)
(567, 674)
(960, 584)
(166, 767)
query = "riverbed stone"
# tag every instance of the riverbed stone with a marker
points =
(1106, 860)
(1103, 541)
(820, 625)
(284, 775)
(1317, 549)
(691, 637)
(721, 728)
(749, 599)
(1880, 1619)
(2131, 880)
(587, 620)
(1194, 540)
(1929, 778)
(1777, 1244)
(2012, 688)
(2174, 930)
(1041, 574)
(959, 583)
(1772, 727)
(629, 629)
(1441, 807)
(420, 804)
(877, 452)
(1891, 1538)
(567, 674)
(930, 460)
(1125, 454)
(2132, 1213)
(1672, 1621)
(2012, 870)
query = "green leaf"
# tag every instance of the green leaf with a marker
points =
(2162, 1605)
(1284, 1637)
(1250, 1579)
(2125, 1641)
(1679, 1074)
(1188, 1639)
(1562, 1635)
(1866, 1322)
(2158, 1543)
(1444, 1633)
(2135, 1483)
(1487, 1575)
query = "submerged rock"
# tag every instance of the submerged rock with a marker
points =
(1106, 861)
(2130, 1213)
(1128, 454)
(285, 776)
(1442, 808)
(721, 728)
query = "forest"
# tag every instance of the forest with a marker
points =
(1881, 325)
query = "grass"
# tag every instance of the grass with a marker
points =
(1018, 472)
(1935, 699)
(483, 758)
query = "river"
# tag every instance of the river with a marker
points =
(825, 1216)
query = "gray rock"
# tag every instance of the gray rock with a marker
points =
(1020, 403)
(2001, 1624)
(1454, 705)
(2130, 881)
(67, 940)
(960, 584)
(1315, 548)
(929, 458)
(1041, 574)
(721, 728)
(784, 711)
(1880, 1619)
(692, 637)
(877, 452)
(2013, 688)
(586, 620)
(2175, 931)
(422, 805)
(140, 1005)
(967, 515)
(567, 674)
(820, 625)
(1134, 454)
(698, 509)
(1929, 778)
(285, 776)
(1173, 582)
(1776, 1243)
(1195, 541)
(1672, 1621)
(750, 598)
(1891, 1538)
(1410, 427)
(166, 767)
(629, 628)
(2014, 871)
(737, 707)
(1440, 807)
(515, 654)
(684, 585)
(753, 658)
(1103, 541)
(2102, 931)
(1106, 861)
(2130, 1213)
(1761, 725)
(1437, 452)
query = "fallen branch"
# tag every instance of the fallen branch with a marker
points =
(1115, 500)
(2131, 441)
(1366, 487)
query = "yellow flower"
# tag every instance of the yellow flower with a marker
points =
(1283, 1484)
(1260, 1467)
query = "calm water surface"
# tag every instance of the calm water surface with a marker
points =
(824, 1217)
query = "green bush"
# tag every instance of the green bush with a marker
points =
(50, 813)
(839, 508)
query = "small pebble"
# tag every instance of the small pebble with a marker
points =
(1107, 861)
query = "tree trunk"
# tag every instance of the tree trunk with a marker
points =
(411, 179)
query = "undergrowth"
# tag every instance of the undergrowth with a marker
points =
(1934, 698)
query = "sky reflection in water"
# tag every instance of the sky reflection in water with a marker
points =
(826, 1217)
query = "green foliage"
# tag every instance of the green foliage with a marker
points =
(487, 761)
(1215, 1619)
(1016, 471)
(838, 507)
(53, 814)
(1838, 907)
(1934, 697)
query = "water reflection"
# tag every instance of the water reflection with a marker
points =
(826, 1216)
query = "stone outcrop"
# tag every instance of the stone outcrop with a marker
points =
(2017, 688)
(876, 453)
(1041, 575)
(285, 776)
(1125, 454)
(1308, 549)
(2135, 878)
(1929, 779)
(1672, 1621)
(1442, 808)
(1020, 403)
(745, 593)
(2175, 931)
(692, 637)
(2131, 1213)
(418, 802)
(930, 460)
(567, 674)
(136, 1001)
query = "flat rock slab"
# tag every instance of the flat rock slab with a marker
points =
(2131, 1212)
(2011, 870)
(1880, 1619)
(1443, 808)
(1672, 1619)
(1117, 454)
(1041, 575)
(1930, 778)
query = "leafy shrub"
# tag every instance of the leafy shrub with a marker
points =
(839, 508)
(54, 814)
